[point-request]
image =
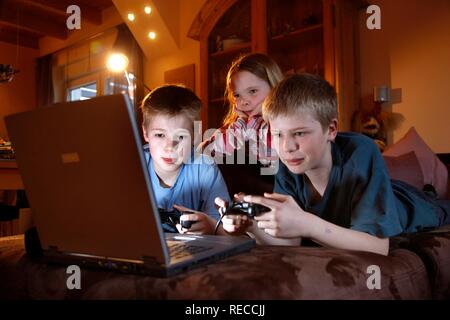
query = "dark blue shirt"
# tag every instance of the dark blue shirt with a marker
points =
(360, 194)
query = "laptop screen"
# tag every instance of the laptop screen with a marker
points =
(83, 169)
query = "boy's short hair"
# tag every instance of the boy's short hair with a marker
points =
(171, 100)
(300, 93)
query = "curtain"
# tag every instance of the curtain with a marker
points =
(44, 81)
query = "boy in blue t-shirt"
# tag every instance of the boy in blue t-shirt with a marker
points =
(331, 187)
(180, 179)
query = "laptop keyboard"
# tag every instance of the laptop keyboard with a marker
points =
(179, 249)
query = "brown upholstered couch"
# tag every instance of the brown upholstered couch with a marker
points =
(417, 267)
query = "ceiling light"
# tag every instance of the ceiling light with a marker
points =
(131, 17)
(148, 9)
(152, 35)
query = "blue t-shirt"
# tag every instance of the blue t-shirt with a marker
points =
(197, 185)
(360, 194)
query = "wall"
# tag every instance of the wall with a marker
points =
(12, 97)
(18, 95)
(412, 52)
(187, 53)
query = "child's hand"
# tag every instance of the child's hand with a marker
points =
(239, 196)
(240, 113)
(202, 223)
(285, 220)
(234, 224)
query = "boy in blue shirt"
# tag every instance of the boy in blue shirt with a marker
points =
(180, 179)
(331, 187)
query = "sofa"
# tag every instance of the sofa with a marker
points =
(417, 267)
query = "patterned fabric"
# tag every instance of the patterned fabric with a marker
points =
(255, 131)
(263, 273)
(433, 248)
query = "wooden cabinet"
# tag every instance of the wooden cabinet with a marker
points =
(9, 176)
(315, 36)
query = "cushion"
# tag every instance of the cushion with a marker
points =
(434, 171)
(448, 183)
(406, 168)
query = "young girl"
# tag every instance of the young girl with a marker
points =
(249, 80)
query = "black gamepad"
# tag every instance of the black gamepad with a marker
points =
(187, 223)
(247, 208)
(170, 218)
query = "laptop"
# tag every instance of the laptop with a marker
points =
(85, 176)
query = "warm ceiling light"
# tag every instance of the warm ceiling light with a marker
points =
(131, 17)
(148, 9)
(152, 35)
(117, 62)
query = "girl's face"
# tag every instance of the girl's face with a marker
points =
(249, 92)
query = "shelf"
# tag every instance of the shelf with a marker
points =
(296, 36)
(8, 163)
(232, 50)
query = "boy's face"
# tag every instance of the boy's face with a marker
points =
(249, 92)
(169, 138)
(300, 141)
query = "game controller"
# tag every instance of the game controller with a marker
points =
(170, 218)
(249, 209)
(187, 223)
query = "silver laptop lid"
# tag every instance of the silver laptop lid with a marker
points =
(85, 175)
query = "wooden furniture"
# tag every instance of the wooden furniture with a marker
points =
(315, 36)
(10, 182)
(9, 176)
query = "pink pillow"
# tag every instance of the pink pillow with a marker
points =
(406, 168)
(434, 171)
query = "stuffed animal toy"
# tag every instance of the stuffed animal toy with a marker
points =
(369, 126)
(376, 123)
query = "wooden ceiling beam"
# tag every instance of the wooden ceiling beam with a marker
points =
(88, 11)
(32, 21)
(22, 39)
(101, 4)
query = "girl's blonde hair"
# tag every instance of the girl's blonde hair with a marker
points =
(258, 64)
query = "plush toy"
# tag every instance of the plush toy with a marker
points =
(369, 126)
(375, 123)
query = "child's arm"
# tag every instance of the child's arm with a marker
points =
(288, 220)
(237, 224)
(331, 235)
(263, 238)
